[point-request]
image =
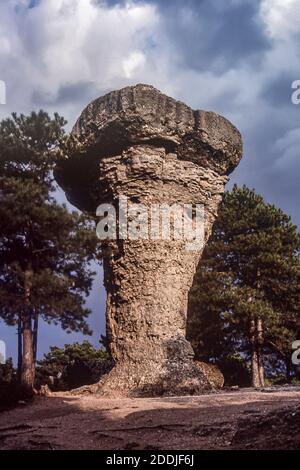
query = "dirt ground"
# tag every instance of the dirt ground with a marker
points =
(242, 419)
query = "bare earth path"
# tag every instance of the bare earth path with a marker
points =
(225, 420)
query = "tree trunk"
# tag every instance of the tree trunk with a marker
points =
(260, 342)
(19, 349)
(256, 340)
(27, 376)
(254, 355)
(27, 373)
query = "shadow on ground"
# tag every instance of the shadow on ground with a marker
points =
(236, 420)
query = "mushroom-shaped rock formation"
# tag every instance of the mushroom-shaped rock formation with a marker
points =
(143, 147)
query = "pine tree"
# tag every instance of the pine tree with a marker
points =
(246, 294)
(45, 250)
(73, 365)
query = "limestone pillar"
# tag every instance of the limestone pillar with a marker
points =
(140, 146)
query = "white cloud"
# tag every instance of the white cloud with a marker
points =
(131, 63)
(64, 42)
(281, 17)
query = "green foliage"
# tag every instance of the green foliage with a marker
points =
(9, 390)
(45, 250)
(235, 370)
(38, 234)
(72, 366)
(250, 269)
(30, 146)
(296, 381)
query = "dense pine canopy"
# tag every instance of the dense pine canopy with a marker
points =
(250, 271)
(45, 250)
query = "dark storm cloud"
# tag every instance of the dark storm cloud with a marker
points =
(69, 93)
(271, 163)
(214, 35)
(278, 91)
(216, 38)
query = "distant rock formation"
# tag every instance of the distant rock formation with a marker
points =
(212, 373)
(140, 144)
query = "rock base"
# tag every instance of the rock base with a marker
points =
(129, 379)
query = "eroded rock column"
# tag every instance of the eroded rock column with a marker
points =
(141, 145)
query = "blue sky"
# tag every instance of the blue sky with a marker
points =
(235, 57)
